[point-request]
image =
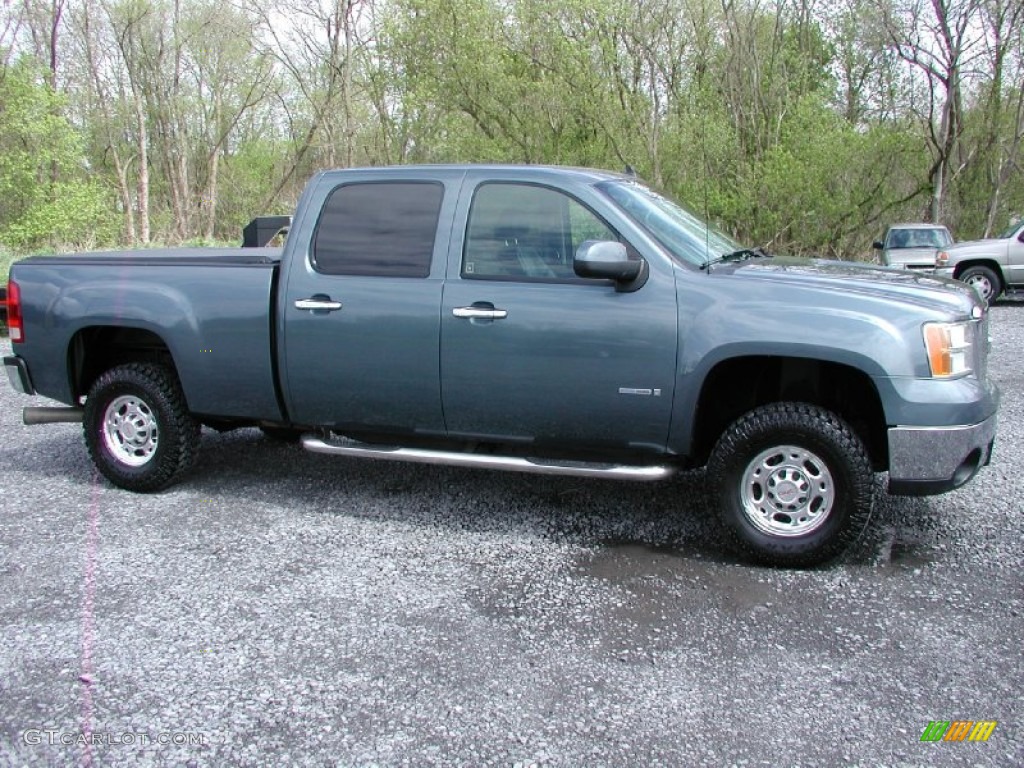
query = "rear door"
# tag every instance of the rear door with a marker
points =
(361, 309)
(530, 353)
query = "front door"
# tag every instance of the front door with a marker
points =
(1015, 258)
(531, 354)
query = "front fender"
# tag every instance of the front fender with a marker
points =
(854, 331)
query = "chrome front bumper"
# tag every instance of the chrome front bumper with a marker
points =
(929, 460)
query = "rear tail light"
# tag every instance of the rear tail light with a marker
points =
(15, 324)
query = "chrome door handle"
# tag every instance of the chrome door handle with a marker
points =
(480, 313)
(314, 304)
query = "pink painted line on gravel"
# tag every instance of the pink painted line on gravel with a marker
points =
(89, 618)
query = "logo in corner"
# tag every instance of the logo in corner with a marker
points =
(958, 730)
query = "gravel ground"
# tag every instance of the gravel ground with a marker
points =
(284, 608)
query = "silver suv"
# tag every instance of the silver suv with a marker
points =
(991, 266)
(913, 246)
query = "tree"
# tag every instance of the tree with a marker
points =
(939, 39)
(39, 208)
(804, 124)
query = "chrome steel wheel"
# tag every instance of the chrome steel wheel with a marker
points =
(787, 491)
(130, 430)
(793, 483)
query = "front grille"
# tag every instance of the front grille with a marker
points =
(980, 345)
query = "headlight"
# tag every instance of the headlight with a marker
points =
(948, 348)
(941, 259)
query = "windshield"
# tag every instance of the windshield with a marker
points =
(1011, 231)
(918, 237)
(684, 235)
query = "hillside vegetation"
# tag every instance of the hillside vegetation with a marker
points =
(803, 125)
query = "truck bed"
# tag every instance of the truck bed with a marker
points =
(212, 307)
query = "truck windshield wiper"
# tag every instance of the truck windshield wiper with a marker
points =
(746, 253)
(741, 255)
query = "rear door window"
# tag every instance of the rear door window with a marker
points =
(383, 229)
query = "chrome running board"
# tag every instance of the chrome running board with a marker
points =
(490, 461)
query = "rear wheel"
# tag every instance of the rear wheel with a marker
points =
(984, 280)
(138, 429)
(793, 484)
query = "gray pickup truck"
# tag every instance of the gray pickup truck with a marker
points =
(548, 320)
(989, 266)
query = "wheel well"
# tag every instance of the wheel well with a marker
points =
(963, 266)
(736, 386)
(97, 349)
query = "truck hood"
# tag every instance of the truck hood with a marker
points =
(899, 286)
(968, 247)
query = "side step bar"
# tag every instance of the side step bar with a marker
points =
(489, 461)
(37, 415)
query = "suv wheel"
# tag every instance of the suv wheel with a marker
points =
(984, 280)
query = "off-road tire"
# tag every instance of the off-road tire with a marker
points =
(772, 466)
(138, 429)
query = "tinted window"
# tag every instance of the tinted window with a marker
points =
(384, 229)
(526, 232)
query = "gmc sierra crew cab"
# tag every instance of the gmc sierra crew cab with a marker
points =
(537, 319)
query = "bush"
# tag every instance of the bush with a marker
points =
(48, 199)
(75, 217)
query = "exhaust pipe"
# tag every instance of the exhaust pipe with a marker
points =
(52, 415)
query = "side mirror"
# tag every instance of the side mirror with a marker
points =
(607, 260)
(877, 245)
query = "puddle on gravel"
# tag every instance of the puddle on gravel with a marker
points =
(909, 554)
(620, 560)
(651, 571)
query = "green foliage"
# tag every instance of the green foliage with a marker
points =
(247, 178)
(74, 215)
(819, 188)
(989, 126)
(46, 200)
(6, 259)
(789, 124)
(759, 148)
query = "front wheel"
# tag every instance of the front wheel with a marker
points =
(793, 484)
(984, 280)
(138, 429)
